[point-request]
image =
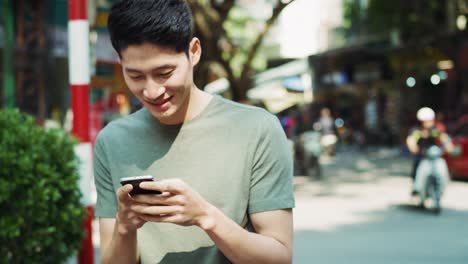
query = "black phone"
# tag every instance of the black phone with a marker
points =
(135, 182)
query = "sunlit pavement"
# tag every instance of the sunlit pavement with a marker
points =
(361, 213)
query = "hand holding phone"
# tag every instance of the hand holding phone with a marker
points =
(135, 182)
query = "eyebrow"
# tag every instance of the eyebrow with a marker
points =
(163, 67)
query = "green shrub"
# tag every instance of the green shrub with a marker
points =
(41, 215)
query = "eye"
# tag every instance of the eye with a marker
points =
(136, 77)
(165, 74)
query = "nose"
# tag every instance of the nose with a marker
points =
(153, 90)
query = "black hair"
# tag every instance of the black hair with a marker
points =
(167, 23)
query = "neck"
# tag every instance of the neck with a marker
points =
(197, 102)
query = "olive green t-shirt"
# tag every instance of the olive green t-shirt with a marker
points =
(235, 156)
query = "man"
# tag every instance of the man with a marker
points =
(421, 139)
(326, 122)
(326, 125)
(224, 169)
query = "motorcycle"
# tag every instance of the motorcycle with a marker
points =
(308, 151)
(328, 143)
(328, 140)
(431, 178)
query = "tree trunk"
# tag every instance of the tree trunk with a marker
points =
(209, 21)
(239, 88)
(8, 54)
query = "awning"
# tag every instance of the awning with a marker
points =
(294, 84)
(281, 87)
(293, 68)
(275, 96)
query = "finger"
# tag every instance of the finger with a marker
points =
(165, 199)
(173, 186)
(138, 221)
(156, 210)
(151, 199)
(173, 219)
(123, 192)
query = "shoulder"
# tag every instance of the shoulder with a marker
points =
(122, 126)
(415, 132)
(436, 132)
(246, 114)
(265, 126)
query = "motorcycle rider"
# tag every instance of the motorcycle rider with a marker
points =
(420, 140)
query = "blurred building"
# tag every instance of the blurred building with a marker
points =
(26, 54)
(39, 65)
(376, 83)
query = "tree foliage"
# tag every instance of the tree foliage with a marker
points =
(42, 215)
(230, 41)
(412, 19)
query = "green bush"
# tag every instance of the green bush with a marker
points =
(41, 215)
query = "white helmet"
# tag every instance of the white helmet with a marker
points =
(425, 114)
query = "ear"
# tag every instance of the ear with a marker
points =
(195, 51)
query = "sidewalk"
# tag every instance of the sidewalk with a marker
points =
(350, 165)
(361, 213)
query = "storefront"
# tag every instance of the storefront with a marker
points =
(380, 87)
(109, 99)
(356, 84)
(433, 75)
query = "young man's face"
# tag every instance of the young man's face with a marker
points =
(428, 124)
(161, 78)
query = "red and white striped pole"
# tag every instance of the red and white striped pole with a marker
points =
(79, 74)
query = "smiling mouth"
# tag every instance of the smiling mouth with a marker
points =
(160, 102)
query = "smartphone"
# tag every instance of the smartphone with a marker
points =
(135, 182)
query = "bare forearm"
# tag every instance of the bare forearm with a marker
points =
(242, 246)
(447, 142)
(122, 248)
(412, 146)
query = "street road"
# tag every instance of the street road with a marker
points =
(361, 212)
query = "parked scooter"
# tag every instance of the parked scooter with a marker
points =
(328, 143)
(327, 139)
(308, 151)
(431, 178)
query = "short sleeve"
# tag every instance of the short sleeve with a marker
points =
(106, 204)
(271, 186)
